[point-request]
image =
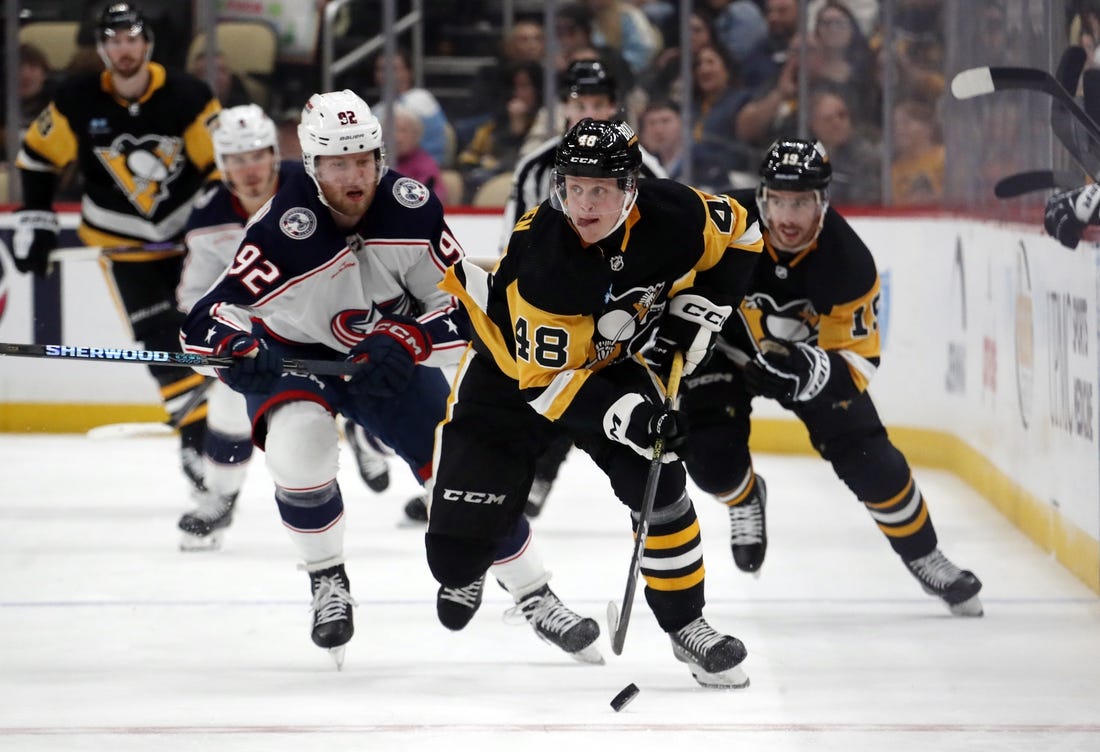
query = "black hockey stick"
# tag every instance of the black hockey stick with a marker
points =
(1090, 91)
(1067, 74)
(618, 619)
(300, 367)
(1035, 180)
(1082, 140)
(91, 252)
(170, 426)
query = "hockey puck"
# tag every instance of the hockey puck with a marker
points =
(621, 700)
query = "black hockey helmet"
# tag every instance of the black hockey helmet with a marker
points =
(587, 77)
(599, 149)
(794, 164)
(124, 17)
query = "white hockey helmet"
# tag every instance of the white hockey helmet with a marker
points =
(243, 129)
(338, 123)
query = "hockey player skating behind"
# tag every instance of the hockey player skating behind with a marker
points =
(588, 278)
(808, 332)
(344, 262)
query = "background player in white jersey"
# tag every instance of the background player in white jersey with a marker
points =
(807, 332)
(589, 279)
(344, 262)
(246, 149)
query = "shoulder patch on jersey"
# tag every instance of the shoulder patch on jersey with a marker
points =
(410, 193)
(298, 223)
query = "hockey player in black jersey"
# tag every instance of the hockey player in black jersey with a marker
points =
(140, 138)
(345, 262)
(590, 276)
(806, 335)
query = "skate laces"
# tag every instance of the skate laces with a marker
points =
(699, 637)
(464, 596)
(543, 609)
(330, 599)
(935, 569)
(747, 523)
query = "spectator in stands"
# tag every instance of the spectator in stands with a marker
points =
(773, 110)
(411, 159)
(227, 85)
(495, 145)
(524, 43)
(662, 79)
(717, 99)
(35, 83)
(419, 100)
(573, 31)
(916, 173)
(623, 27)
(856, 160)
(661, 133)
(841, 57)
(739, 25)
(864, 12)
(762, 66)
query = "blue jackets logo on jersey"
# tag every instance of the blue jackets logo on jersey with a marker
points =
(410, 193)
(298, 223)
(351, 326)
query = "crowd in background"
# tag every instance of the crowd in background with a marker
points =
(751, 70)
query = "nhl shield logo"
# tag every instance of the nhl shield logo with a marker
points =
(616, 262)
(410, 193)
(298, 223)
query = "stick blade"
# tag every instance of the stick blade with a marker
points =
(1090, 89)
(129, 431)
(1070, 66)
(1033, 181)
(974, 82)
(617, 639)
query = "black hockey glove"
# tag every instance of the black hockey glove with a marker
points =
(1068, 213)
(387, 357)
(35, 236)
(255, 368)
(788, 371)
(691, 326)
(638, 424)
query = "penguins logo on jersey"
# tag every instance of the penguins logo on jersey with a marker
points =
(298, 223)
(143, 166)
(628, 316)
(764, 318)
(410, 193)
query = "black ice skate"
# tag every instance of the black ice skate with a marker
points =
(714, 658)
(557, 625)
(540, 489)
(416, 510)
(332, 606)
(370, 458)
(203, 526)
(748, 531)
(958, 588)
(456, 606)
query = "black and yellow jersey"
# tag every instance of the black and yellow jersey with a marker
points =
(143, 162)
(827, 295)
(554, 312)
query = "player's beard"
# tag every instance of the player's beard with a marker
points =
(128, 67)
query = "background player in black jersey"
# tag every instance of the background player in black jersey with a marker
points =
(807, 336)
(140, 136)
(589, 277)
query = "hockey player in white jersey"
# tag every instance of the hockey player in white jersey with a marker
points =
(344, 262)
(246, 150)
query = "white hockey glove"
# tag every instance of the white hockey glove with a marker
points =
(1068, 213)
(638, 424)
(788, 371)
(691, 326)
(35, 236)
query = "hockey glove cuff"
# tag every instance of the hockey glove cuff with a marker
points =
(387, 357)
(633, 421)
(1068, 213)
(788, 371)
(691, 327)
(255, 368)
(35, 236)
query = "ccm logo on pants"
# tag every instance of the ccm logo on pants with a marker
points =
(473, 497)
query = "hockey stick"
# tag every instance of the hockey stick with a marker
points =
(1068, 75)
(301, 367)
(1090, 91)
(1082, 141)
(618, 619)
(1035, 180)
(92, 252)
(164, 428)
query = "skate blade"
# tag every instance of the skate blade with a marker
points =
(970, 607)
(197, 543)
(337, 655)
(734, 678)
(590, 655)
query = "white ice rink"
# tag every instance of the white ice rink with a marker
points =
(112, 639)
